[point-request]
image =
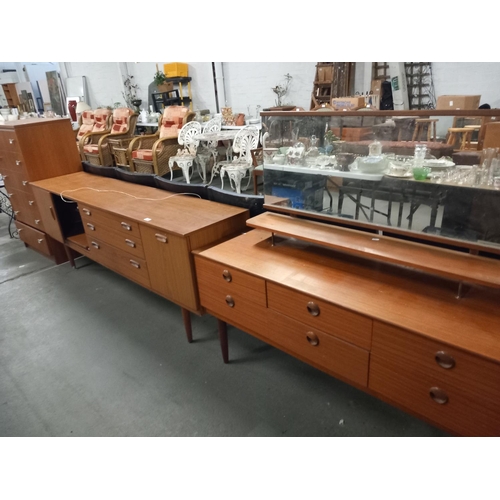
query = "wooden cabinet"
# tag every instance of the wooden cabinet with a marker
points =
(31, 150)
(142, 233)
(399, 334)
(9, 89)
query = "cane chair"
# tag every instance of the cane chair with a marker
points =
(208, 149)
(246, 140)
(186, 157)
(150, 153)
(101, 126)
(98, 150)
(86, 121)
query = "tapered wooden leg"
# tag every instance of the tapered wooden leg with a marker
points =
(222, 326)
(69, 254)
(186, 316)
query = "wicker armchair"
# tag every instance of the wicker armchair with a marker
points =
(86, 122)
(96, 148)
(151, 153)
(101, 124)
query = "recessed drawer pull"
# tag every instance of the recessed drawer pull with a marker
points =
(18, 162)
(444, 360)
(95, 245)
(227, 276)
(130, 243)
(126, 226)
(135, 264)
(24, 183)
(86, 211)
(313, 308)
(438, 395)
(91, 226)
(161, 237)
(229, 301)
(312, 338)
(11, 141)
(40, 240)
(31, 202)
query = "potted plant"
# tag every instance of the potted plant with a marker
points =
(130, 93)
(160, 80)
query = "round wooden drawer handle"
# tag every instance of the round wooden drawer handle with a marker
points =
(438, 395)
(229, 301)
(444, 360)
(313, 308)
(312, 338)
(227, 276)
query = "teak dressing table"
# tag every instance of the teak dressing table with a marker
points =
(395, 332)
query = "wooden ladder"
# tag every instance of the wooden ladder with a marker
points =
(332, 79)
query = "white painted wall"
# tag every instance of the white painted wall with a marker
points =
(250, 83)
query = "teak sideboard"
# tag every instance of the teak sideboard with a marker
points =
(394, 332)
(143, 233)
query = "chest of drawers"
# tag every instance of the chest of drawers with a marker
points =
(31, 150)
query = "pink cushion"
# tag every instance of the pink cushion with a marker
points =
(91, 148)
(101, 117)
(84, 129)
(143, 154)
(121, 120)
(172, 121)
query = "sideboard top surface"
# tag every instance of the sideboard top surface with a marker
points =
(179, 214)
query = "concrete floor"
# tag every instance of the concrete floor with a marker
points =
(86, 352)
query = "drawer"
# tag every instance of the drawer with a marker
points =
(318, 348)
(121, 239)
(12, 160)
(107, 220)
(232, 281)
(25, 208)
(236, 304)
(123, 263)
(475, 377)
(320, 314)
(16, 180)
(8, 141)
(34, 238)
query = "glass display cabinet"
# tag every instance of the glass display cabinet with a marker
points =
(431, 176)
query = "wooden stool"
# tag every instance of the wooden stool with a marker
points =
(463, 134)
(474, 142)
(423, 124)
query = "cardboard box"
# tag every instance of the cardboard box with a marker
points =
(354, 134)
(458, 102)
(175, 70)
(348, 103)
(376, 86)
(166, 87)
